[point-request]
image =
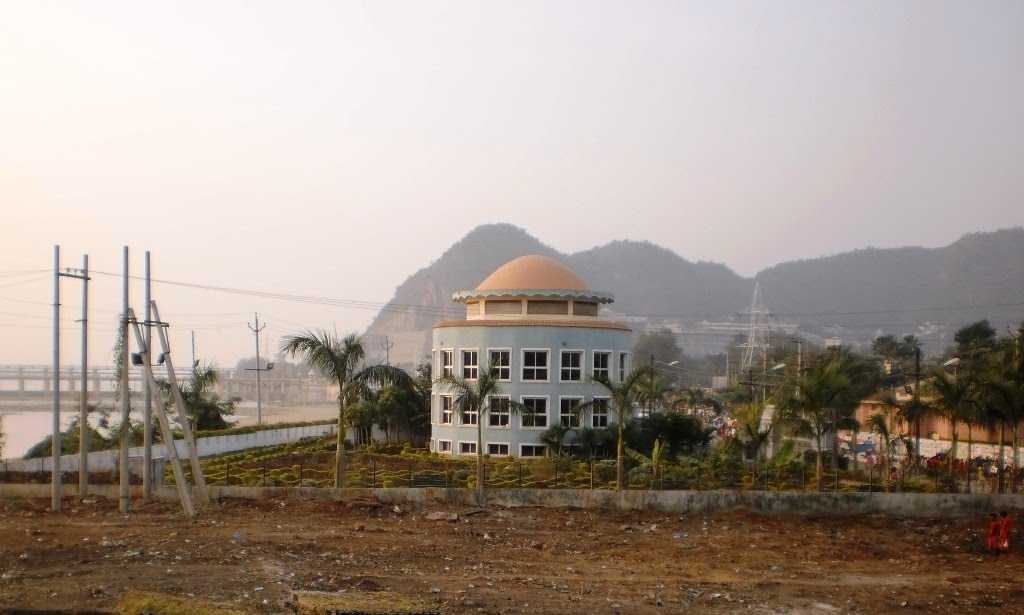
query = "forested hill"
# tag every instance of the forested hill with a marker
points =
(915, 284)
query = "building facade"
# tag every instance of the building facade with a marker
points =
(539, 327)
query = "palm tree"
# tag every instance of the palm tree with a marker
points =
(478, 397)
(956, 395)
(623, 397)
(654, 392)
(808, 404)
(341, 360)
(1005, 396)
(879, 424)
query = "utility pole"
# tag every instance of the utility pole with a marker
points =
(388, 345)
(83, 406)
(56, 488)
(124, 492)
(799, 363)
(650, 397)
(259, 389)
(147, 414)
(195, 363)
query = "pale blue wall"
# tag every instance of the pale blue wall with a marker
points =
(517, 338)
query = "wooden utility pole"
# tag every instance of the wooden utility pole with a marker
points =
(179, 402)
(165, 424)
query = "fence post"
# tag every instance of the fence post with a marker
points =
(263, 480)
(373, 473)
(300, 474)
(555, 462)
(412, 483)
(227, 474)
(591, 473)
(519, 468)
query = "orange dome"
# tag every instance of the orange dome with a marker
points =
(533, 272)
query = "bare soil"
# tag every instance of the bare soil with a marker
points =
(252, 555)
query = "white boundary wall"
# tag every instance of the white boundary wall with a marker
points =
(102, 461)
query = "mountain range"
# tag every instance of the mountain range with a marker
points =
(853, 295)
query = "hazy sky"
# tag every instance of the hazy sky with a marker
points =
(332, 148)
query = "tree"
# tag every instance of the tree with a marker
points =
(554, 438)
(975, 336)
(622, 396)
(958, 399)
(654, 392)
(479, 397)
(879, 424)
(661, 344)
(341, 360)
(206, 409)
(807, 404)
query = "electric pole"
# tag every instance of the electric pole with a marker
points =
(56, 488)
(259, 392)
(83, 407)
(56, 440)
(147, 414)
(124, 488)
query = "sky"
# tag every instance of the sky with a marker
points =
(331, 149)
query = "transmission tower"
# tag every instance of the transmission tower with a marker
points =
(757, 333)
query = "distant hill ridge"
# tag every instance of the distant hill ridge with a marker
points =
(916, 284)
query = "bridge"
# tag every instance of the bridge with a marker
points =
(36, 382)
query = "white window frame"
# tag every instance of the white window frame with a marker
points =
(623, 365)
(433, 361)
(463, 366)
(473, 415)
(441, 410)
(452, 354)
(583, 363)
(608, 370)
(542, 446)
(547, 412)
(490, 413)
(607, 414)
(508, 449)
(579, 417)
(447, 452)
(522, 365)
(509, 351)
(469, 442)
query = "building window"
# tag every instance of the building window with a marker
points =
(599, 412)
(444, 446)
(534, 413)
(547, 307)
(623, 364)
(446, 410)
(497, 448)
(470, 367)
(467, 448)
(567, 411)
(584, 308)
(535, 365)
(532, 450)
(498, 411)
(602, 362)
(447, 363)
(500, 362)
(572, 366)
(500, 307)
(468, 417)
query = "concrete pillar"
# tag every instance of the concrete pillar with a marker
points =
(46, 379)
(21, 382)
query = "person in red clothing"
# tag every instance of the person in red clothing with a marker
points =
(992, 539)
(1005, 528)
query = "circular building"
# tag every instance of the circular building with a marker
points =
(538, 325)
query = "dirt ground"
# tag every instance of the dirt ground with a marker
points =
(252, 555)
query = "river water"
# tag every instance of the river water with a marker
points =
(26, 424)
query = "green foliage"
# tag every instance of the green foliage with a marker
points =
(679, 434)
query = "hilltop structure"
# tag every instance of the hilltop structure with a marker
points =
(538, 326)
